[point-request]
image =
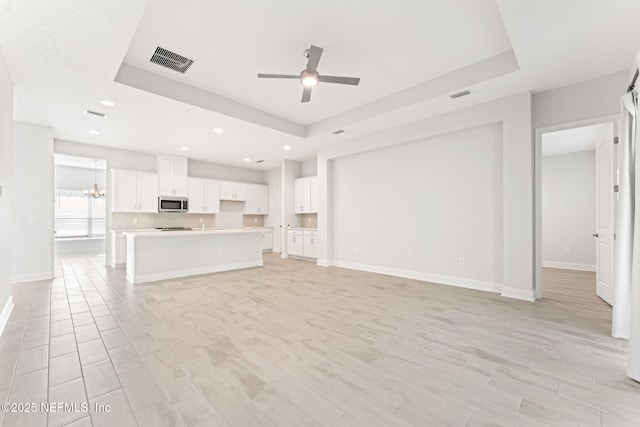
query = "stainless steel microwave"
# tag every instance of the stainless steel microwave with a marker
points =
(173, 204)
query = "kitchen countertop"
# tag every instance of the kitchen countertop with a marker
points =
(153, 230)
(193, 232)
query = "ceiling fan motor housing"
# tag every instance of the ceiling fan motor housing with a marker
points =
(309, 79)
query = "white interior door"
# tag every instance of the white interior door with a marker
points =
(605, 215)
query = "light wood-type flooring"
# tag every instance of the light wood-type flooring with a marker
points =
(292, 344)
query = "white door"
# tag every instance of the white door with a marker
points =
(605, 206)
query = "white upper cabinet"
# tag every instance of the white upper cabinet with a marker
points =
(172, 175)
(313, 194)
(204, 195)
(134, 191)
(236, 191)
(257, 200)
(305, 195)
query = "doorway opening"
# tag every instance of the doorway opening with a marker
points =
(576, 212)
(79, 204)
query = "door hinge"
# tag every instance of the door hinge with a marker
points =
(616, 188)
(615, 140)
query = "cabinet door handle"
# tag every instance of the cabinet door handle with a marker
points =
(312, 241)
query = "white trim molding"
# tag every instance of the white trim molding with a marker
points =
(460, 282)
(188, 272)
(32, 277)
(569, 266)
(521, 294)
(323, 263)
(6, 312)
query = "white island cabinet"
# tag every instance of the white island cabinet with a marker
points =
(153, 255)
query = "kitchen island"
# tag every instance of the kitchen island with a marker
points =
(153, 255)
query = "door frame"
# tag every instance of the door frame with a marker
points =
(537, 188)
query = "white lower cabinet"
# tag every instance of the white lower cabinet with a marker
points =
(295, 242)
(118, 249)
(267, 240)
(302, 243)
(309, 245)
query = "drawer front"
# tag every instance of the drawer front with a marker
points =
(313, 233)
(295, 232)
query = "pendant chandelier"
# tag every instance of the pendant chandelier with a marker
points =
(94, 192)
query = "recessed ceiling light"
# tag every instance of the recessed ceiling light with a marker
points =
(287, 147)
(247, 159)
(185, 148)
(218, 130)
(108, 103)
(94, 132)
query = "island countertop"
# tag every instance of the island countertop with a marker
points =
(194, 232)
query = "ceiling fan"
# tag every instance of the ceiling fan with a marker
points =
(309, 77)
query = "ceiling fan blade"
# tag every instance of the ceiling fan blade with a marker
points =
(340, 80)
(315, 53)
(277, 76)
(306, 94)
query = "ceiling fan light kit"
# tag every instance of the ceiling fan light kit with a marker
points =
(309, 77)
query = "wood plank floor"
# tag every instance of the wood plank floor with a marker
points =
(292, 344)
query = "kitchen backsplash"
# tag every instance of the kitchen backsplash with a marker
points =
(125, 221)
(253, 221)
(309, 221)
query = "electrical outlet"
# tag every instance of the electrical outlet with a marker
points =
(308, 220)
(410, 255)
(135, 220)
(255, 220)
(461, 260)
(567, 249)
(201, 220)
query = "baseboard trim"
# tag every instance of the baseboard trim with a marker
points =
(323, 263)
(569, 266)
(6, 312)
(187, 272)
(426, 277)
(521, 294)
(32, 277)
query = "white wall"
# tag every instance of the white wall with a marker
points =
(78, 179)
(568, 210)
(309, 168)
(6, 143)
(223, 172)
(581, 101)
(273, 178)
(419, 207)
(32, 203)
(514, 113)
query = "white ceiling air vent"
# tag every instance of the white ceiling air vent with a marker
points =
(171, 60)
(337, 132)
(259, 161)
(460, 94)
(95, 113)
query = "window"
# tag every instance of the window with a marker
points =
(77, 215)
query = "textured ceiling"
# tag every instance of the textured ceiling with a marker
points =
(64, 56)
